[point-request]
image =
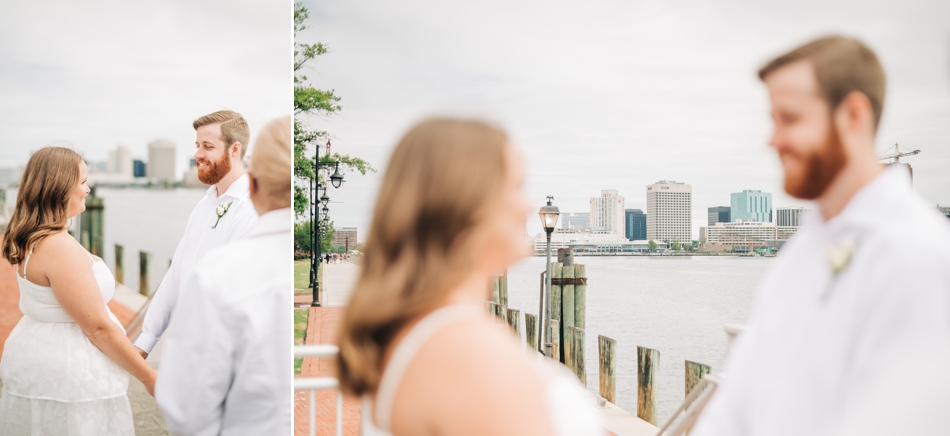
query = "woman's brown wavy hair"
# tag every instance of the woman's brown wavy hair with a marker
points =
(50, 176)
(439, 185)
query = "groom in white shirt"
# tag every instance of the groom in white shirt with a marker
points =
(223, 215)
(863, 290)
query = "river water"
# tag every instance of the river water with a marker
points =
(677, 305)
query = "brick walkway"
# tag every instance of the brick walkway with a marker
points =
(321, 329)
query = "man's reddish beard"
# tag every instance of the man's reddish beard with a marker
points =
(821, 168)
(215, 171)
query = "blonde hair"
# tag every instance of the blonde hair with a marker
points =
(271, 160)
(233, 127)
(439, 185)
(842, 65)
(42, 202)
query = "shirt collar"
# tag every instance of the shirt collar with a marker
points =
(865, 205)
(275, 221)
(240, 188)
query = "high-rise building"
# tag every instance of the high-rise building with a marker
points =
(635, 225)
(606, 212)
(161, 161)
(344, 237)
(751, 205)
(138, 168)
(120, 161)
(719, 214)
(669, 211)
(575, 221)
(789, 216)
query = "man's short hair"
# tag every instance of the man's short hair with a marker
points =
(233, 127)
(842, 65)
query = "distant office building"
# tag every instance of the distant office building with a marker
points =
(161, 161)
(606, 212)
(669, 211)
(120, 161)
(344, 237)
(635, 225)
(138, 168)
(575, 221)
(190, 179)
(789, 216)
(719, 214)
(746, 235)
(751, 205)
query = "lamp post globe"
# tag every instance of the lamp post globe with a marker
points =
(324, 198)
(336, 179)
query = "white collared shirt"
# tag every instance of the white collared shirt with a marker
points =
(199, 239)
(817, 344)
(226, 363)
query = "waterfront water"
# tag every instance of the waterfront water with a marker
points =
(150, 220)
(676, 305)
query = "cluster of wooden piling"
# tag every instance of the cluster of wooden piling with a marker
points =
(568, 313)
(145, 262)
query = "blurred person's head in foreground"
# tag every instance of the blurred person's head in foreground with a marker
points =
(827, 97)
(450, 213)
(52, 190)
(221, 140)
(269, 167)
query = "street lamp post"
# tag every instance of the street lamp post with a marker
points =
(316, 246)
(549, 215)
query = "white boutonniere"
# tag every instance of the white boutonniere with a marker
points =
(220, 211)
(839, 257)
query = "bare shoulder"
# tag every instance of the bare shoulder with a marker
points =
(465, 372)
(62, 245)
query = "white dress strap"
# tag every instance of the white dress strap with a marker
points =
(406, 351)
(26, 262)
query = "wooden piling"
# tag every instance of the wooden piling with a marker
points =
(502, 313)
(514, 320)
(531, 331)
(608, 368)
(119, 269)
(556, 306)
(648, 361)
(495, 292)
(555, 340)
(576, 351)
(694, 373)
(145, 259)
(580, 296)
(567, 297)
(503, 289)
(568, 346)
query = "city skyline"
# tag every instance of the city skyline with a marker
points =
(682, 102)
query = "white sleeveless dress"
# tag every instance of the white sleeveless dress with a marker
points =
(55, 381)
(570, 407)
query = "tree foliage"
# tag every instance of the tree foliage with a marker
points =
(310, 101)
(302, 232)
(651, 246)
(676, 244)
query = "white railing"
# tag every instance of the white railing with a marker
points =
(314, 384)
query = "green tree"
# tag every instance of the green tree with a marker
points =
(651, 246)
(676, 244)
(302, 237)
(310, 101)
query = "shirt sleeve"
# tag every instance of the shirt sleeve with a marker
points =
(197, 360)
(159, 311)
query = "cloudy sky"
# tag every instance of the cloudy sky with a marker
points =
(616, 94)
(99, 73)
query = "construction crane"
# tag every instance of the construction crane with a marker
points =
(896, 154)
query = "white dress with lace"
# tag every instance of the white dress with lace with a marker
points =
(570, 407)
(55, 381)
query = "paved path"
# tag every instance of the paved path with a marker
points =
(338, 282)
(322, 329)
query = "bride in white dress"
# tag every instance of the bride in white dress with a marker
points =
(416, 342)
(66, 365)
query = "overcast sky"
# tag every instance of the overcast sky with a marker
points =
(99, 73)
(616, 94)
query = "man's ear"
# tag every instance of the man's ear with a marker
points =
(234, 149)
(854, 115)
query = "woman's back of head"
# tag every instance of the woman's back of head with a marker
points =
(50, 176)
(439, 185)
